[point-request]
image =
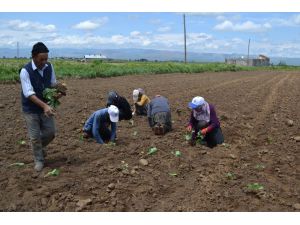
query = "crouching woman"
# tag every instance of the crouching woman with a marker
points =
(204, 119)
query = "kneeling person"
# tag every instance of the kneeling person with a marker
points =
(204, 120)
(97, 125)
(159, 115)
(141, 102)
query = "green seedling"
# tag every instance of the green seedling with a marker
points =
(18, 164)
(255, 187)
(259, 166)
(53, 173)
(81, 137)
(178, 153)
(230, 176)
(51, 94)
(173, 174)
(269, 140)
(22, 142)
(188, 137)
(135, 133)
(131, 122)
(152, 150)
(199, 138)
(124, 166)
(111, 144)
(226, 145)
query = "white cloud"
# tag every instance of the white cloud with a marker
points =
(20, 25)
(135, 33)
(164, 29)
(91, 24)
(155, 21)
(247, 26)
(297, 19)
(221, 18)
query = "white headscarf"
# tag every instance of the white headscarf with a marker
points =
(204, 115)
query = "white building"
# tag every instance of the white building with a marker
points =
(87, 57)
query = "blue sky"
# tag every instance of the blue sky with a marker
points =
(274, 34)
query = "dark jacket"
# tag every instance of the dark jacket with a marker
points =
(125, 112)
(39, 84)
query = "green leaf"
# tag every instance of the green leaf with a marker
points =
(259, 166)
(50, 95)
(178, 153)
(54, 172)
(152, 150)
(22, 142)
(225, 145)
(188, 137)
(18, 164)
(255, 186)
(230, 176)
(173, 174)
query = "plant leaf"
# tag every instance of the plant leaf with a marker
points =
(152, 150)
(19, 164)
(178, 153)
(54, 172)
(173, 174)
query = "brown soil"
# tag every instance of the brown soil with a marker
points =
(252, 106)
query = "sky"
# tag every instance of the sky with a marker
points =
(273, 34)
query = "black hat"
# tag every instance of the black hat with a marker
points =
(39, 48)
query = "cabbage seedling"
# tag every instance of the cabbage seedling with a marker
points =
(54, 172)
(152, 150)
(255, 187)
(18, 164)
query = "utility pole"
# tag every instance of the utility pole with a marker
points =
(17, 50)
(184, 28)
(248, 53)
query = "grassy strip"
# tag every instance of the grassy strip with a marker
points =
(9, 68)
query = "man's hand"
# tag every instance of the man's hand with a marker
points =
(48, 111)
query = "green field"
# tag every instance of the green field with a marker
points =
(9, 68)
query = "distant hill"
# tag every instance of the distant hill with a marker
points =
(135, 54)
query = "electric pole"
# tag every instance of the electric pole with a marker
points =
(184, 28)
(248, 53)
(17, 50)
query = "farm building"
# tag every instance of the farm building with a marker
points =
(94, 57)
(260, 61)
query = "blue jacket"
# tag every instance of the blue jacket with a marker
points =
(98, 121)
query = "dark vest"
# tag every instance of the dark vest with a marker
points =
(39, 84)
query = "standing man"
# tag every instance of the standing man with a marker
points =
(159, 115)
(35, 77)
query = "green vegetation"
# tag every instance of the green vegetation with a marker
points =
(9, 68)
(17, 164)
(54, 173)
(152, 150)
(255, 187)
(230, 176)
(50, 94)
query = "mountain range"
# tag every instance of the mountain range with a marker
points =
(137, 54)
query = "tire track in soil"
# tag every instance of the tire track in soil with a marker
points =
(278, 155)
(231, 166)
(246, 152)
(206, 178)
